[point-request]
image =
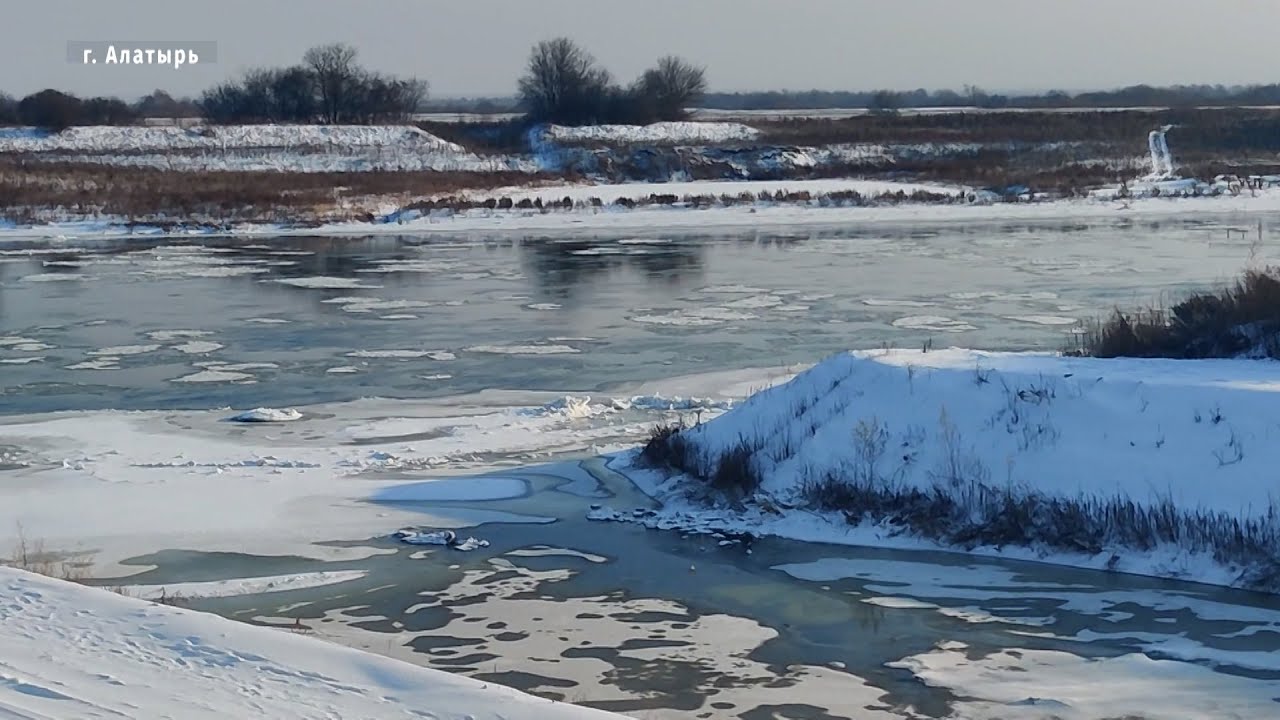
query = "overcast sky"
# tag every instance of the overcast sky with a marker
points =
(478, 47)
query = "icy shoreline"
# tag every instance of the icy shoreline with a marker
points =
(760, 214)
(1095, 450)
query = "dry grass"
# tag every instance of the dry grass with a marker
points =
(1240, 319)
(32, 555)
(33, 191)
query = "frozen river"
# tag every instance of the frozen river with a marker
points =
(211, 322)
(653, 624)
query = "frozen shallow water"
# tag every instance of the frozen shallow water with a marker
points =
(208, 322)
(641, 621)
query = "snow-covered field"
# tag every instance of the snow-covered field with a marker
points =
(1198, 436)
(111, 139)
(281, 148)
(69, 651)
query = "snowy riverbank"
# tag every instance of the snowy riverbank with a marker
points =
(123, 657)
(761, 214)
(1153, 467)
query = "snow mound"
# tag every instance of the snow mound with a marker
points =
(285, 148)
(73, 651)
(266, 415)
(658, 133)
(1194, 438)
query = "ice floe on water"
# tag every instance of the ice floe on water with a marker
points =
(267, 321)
(165, 336)
(1042, 684)
(266, 415)
(445, 538)
(543, 306)
(10, 340)
(54, 277)
(694, 317)
(883, 302)
(119, 350)
(1043, 319)
(102, 363)
(236, 367)
(936, 323)
(215, 376)
(353, 304)
(23, 360)
(398, 316)
(402, 354)
(342, 370)
(326, 283)
(198, 347)
(523, 349)
(732, 290)
(30, 347)
(756, 302)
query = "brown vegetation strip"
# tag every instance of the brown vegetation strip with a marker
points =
(29, 191)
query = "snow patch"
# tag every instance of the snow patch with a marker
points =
(266, 415)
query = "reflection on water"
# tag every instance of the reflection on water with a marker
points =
(299, 320)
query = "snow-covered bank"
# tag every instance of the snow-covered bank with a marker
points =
(346, 471)
(122, 657)
(758, 215)
(1146, 466)
(242, 148)
(131, 139)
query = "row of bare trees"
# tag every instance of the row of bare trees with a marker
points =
(564, 84)
(329, 86)
(56, 110)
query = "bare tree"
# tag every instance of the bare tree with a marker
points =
(8, 110)
(336, 75)
(885, 101)
(672, 86)
(563, 84)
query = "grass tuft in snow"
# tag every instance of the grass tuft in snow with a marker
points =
(975, 514)
(33, 556)
(1108, 459)
(1242, 319)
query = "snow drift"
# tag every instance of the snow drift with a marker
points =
(1105, 459)
(222, 137)
(122, 657)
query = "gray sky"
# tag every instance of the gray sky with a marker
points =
(478, 47)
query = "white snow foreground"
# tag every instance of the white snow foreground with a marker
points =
(69, 651)
(1193, 438)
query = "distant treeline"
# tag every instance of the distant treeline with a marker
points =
(1178, 96)
(56, 110)
(562, 83)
